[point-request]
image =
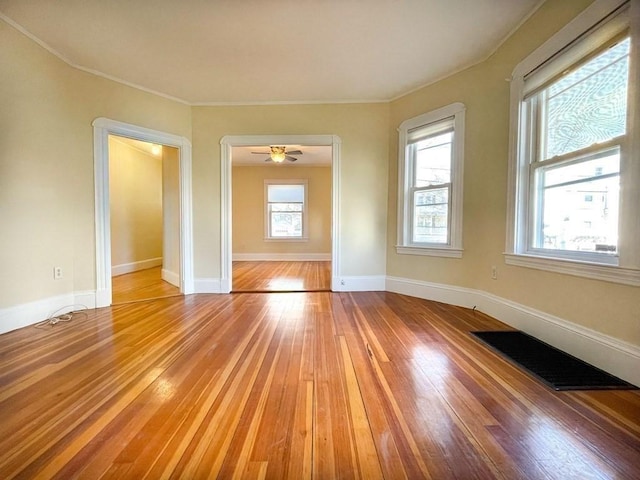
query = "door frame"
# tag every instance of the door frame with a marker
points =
(102, 128)
(226, 144)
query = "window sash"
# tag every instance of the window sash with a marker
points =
(417, 135)
(414, 207)
(285, 199)
(588, 29)
(448, 119)
(534, 148)
(542, 191)
(273, 224)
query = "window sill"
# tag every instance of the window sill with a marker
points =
(607, 273)
(429, 251)
(287, 239)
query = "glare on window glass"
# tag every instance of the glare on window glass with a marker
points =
(433, 160)
(588, 105)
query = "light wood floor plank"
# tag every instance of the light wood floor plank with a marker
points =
(141, 285)
(294, 385)
(281, 276)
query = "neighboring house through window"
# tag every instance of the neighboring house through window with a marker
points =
(430, 170)
(575, 185)
(285, 209)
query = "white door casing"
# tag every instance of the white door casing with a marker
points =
(226, 144)
(102, 128)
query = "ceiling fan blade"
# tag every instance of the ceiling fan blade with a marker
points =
(260, 153)
(268, 159)
(294, 152)
(291, 159)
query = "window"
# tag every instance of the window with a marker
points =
(430, 183)
(571, 154)
(285, 209)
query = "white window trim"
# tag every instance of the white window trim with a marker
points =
(627, 269)
(305, 209)
(454, 248)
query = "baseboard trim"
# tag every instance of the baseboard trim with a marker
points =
(135, 266)
(613, 355)
(31, 313)
(371, 283)
(172, 277)
(608, 353)
(281, 257)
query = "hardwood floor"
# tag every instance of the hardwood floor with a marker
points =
(294, 385)
(141, 285)
(281, 276)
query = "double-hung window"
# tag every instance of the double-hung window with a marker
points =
(285, 209)
(430, 183)
(572, 156)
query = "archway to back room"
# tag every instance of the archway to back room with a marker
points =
(144, 220)
(281, 216)
(175, 194)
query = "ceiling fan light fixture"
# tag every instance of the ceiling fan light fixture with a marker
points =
(277, 154)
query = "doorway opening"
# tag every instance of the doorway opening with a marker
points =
(280, 225)
(145, 229)
(176, 218)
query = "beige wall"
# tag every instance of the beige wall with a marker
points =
(249, 210)
(605, 307)
(46, 165)
(135, 186)
(363, 174)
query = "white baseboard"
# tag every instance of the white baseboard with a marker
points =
(172, 277)
(615, 356)
(86, 298)
(135, 266)
(31, 313)
(371, 283)
(281, 257)
(608, 353)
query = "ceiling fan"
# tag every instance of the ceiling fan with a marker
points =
(279, 154)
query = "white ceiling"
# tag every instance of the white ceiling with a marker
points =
(270, 51)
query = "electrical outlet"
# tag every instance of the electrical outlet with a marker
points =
(57, 273)
(494, 272)
(342, 282)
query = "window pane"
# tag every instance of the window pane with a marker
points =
(433, 160)
(285, 193)
(286, 207)
(606, 165)
(588, 105)
(581, 215)
(430, 216)
(286, 224)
